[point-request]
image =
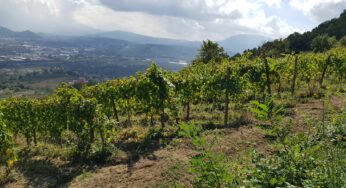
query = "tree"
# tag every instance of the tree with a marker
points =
(302, 42)
(299, 42)
(210, 51)
(274, 48)
(322, 43)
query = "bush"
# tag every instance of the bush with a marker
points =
(305, 161)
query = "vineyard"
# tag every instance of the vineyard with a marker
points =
(119, 121)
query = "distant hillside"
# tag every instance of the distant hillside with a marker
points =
(107, 46)
(234, 44)
(335, 27)
(27, 35)
(142, 39)
(302, 42)
(121, 43)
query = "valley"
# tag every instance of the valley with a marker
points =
(112, 108)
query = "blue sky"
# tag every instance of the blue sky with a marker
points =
(178, 19)
(292, 16)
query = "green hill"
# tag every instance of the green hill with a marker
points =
(298, 42)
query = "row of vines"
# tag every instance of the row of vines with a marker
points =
(163, 97)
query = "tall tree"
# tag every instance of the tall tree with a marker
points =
(210, 51)
(322, 43)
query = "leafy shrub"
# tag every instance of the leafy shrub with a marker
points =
(267, 111)
(310, 161)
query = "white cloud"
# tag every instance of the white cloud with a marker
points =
(216, 19)
(180, 19)
(51, 6)
(51, 16)
(319, 10)
(102, 18)
(273, 3)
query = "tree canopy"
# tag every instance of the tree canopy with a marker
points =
(210, 51)
(322, 43)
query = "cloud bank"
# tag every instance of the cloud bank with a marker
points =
(178, 19)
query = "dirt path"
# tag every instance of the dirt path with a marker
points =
(149, 172)
(314, 110)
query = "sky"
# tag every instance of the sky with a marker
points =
(176, 19)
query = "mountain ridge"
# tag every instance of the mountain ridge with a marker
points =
(232, 45)
(27, 34)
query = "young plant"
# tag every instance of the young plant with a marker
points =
(210, 168)
(267, 111)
